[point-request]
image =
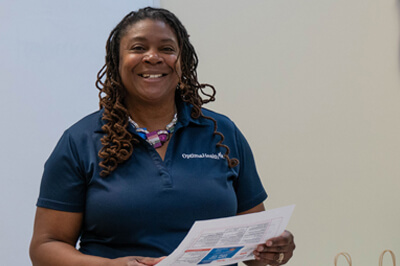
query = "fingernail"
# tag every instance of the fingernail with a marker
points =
(269, 243)
(260, 248)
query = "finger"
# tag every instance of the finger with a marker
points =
(275, 249)
(270, 258)
(267, 256)
(286, 249)
(134, 262)
(284, 239)
(150, 261)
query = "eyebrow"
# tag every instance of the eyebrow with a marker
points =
(139, 38)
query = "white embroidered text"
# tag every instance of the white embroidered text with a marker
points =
(202, 156)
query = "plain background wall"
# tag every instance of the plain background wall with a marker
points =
(50, 54)
(315, 87)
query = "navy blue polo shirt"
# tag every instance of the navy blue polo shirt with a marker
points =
(147, 205)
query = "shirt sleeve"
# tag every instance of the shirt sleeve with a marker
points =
(63, 185)
(249, 189)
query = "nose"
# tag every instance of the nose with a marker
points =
(152, 57)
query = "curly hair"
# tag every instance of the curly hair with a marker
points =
(118, 142)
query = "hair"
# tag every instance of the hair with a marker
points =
(118, 142)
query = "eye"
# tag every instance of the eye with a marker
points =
(168, 49)
(137, 48)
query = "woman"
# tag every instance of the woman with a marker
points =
(129, 180)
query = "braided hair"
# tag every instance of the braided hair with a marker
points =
(118, 142)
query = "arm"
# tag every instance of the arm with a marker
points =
(270, 252)
(54, 238)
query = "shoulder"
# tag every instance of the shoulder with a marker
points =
(88, 124)
(231, 133)
(233, 136)
(83, 134)
(80, 141)
(223, 121)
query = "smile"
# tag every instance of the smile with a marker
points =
(152, 76)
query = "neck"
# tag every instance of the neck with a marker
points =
(152, 117)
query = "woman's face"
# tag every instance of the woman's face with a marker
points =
(148, 52)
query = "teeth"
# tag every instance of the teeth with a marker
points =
(152, 76)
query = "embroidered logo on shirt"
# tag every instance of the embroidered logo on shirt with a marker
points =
(203, 156)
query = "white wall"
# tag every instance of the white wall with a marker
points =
(315, 87)
(50, 54)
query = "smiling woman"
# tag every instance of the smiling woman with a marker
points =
(119, 179)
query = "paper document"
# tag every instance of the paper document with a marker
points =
(228, 240)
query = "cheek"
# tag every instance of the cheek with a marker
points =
(121, 68)
(178, 69)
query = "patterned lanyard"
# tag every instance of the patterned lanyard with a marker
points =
(156, 138)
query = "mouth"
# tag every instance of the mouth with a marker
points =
(152, 76)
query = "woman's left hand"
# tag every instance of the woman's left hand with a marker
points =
(277, 250)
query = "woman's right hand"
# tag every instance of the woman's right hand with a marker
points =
(135, 261)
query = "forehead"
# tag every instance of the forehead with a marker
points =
(149, 29)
